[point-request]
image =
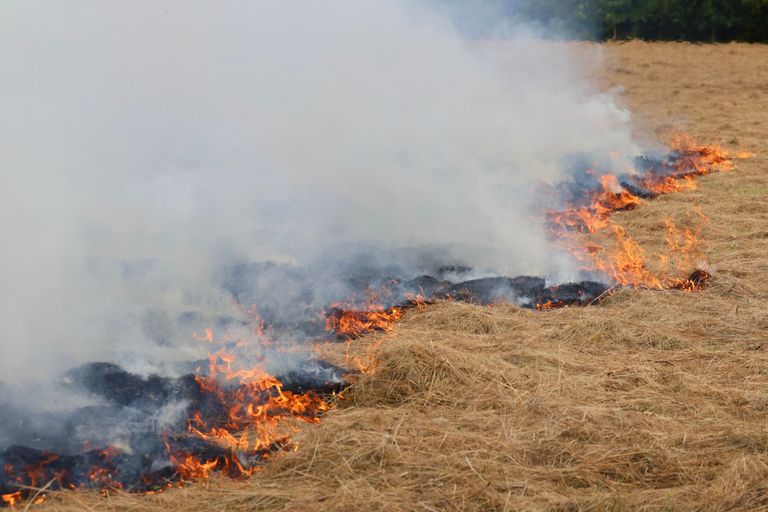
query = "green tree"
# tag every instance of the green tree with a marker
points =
(690, 20)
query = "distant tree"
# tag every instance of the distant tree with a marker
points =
(615, 14)
(691, 20)
(753, 24)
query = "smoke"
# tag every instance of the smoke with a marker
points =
(149, 147)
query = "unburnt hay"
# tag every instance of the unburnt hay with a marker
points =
(651, 400)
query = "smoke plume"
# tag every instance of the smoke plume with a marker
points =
(150, 149)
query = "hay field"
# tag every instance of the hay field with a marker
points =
(650, 401)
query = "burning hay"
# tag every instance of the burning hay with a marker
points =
(622, 259)
(432, 384)
(235, 417)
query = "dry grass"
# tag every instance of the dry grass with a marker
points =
(651, 401)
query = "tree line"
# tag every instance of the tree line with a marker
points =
(685, 20)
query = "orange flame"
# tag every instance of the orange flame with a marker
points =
(351, 324)
(260, 419)
(550, 305)
(261, 416)
(355, 318)
(12, 498)
(621, 258)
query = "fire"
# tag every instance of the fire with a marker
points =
(351, 324)
(32, 476)
(189, 467)
(206, 336)
(613, 252)
(249, 416)
(246, 415)
(550, 305)
(12, 498)
(595, 216)
(355, 318)
(259, 417)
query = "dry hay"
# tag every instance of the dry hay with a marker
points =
(651, 401)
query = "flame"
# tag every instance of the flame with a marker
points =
(189, 467)
(614, 252)
(35, 475)
(12, 498)
(595, 217)
(248, 415)
(245, 417)
(206, 336)
(352, 324)
(259, 417)
(550, 305)
(355, 318)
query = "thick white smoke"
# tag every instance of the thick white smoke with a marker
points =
(148, 144)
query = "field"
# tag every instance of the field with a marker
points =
(651, 400)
